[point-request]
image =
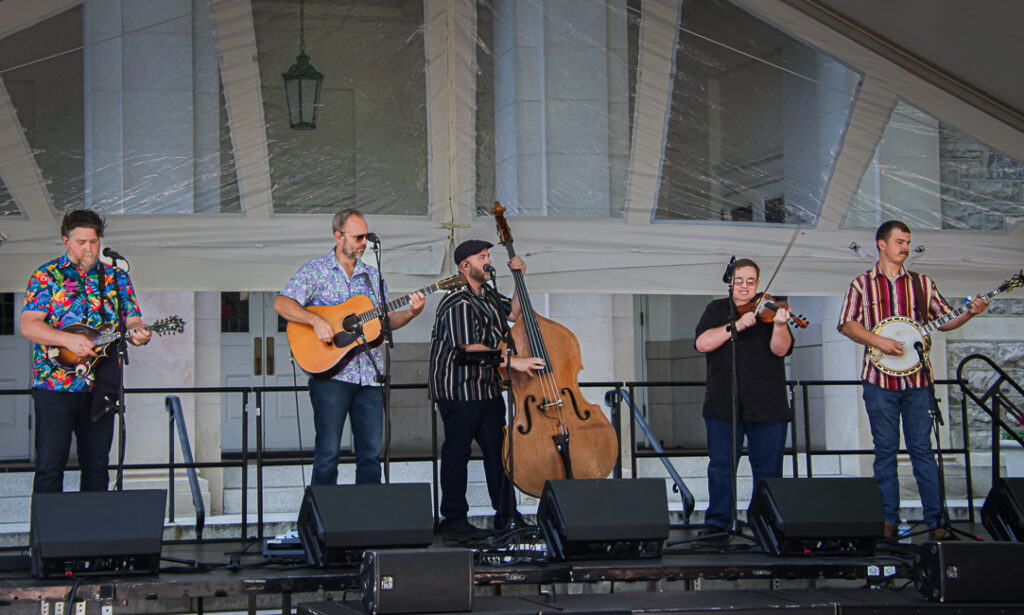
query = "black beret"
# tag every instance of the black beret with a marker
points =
(469, 248)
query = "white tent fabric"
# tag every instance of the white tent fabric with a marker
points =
(258, 248)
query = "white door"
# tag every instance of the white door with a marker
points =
(16, 354)
(254, 353)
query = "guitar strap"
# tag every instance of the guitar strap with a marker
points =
(106, 377)
(920, 303)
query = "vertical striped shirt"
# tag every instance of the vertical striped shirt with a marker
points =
(872, 297)
(464, 318)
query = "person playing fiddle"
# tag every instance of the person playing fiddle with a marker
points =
(763, 409)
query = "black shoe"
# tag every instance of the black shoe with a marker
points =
(502, 523)
(714, 535)
(462, 529)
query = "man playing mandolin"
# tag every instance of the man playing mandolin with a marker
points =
(353, 390)
(74, 289)
(886, 291)
(468, 395)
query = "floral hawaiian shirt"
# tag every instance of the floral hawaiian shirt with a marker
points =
(68, 297)
(322, 281)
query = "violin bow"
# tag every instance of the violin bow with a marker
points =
(764, 293)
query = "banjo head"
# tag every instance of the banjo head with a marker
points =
(906, 331)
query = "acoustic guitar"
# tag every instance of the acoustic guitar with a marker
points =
(354, 322)
(102, 338)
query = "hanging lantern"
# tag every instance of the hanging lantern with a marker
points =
(302, 84)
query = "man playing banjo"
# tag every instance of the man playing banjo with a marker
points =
(882, 305)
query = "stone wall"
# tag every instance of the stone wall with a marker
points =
(981, 188)
(1007, 353)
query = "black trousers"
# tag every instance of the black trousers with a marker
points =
(465, 421)
(58, 415)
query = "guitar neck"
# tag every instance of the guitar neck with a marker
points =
(397, 303)
(948, 316)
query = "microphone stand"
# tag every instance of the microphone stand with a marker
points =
(492, 295)
(122, 361)
(936, 413)
(384, 379)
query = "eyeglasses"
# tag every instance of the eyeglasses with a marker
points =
(356, 237)
(747, 282)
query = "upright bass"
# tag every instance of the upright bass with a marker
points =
(557, 433)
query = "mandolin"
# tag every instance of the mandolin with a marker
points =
(101, 338)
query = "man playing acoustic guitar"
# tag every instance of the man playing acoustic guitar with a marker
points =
(353, 390)
(890, 290)
(75, 288)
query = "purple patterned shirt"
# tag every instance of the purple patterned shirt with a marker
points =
(322, 281)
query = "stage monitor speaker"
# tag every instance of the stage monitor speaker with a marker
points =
(1003, 512)
(970, 571)
(817, 515)
(97, 532)
(604, 518)
(417, 581)
(338, 522)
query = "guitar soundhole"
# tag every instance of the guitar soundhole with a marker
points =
(351, 324)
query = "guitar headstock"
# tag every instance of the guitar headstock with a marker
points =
(169, 326)
(504, 233)
(1015, 281)
(456, 281)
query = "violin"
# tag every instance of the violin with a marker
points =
(768, 307)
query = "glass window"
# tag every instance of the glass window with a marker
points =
(42, 71)
(6, 313)
(234, 312)
(932, 175)
(369, 147)
(756, 121)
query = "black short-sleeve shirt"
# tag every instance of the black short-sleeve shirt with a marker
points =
(761, 375)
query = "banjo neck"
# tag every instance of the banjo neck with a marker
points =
(932, 325)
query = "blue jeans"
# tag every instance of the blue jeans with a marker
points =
(58, 415)
(333, 400)
(885, 408)
(465, 421)
(766, 442)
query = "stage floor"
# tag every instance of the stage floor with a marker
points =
(688, 578)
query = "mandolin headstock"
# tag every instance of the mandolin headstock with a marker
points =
(504, 233)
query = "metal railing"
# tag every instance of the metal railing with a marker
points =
(257, 457)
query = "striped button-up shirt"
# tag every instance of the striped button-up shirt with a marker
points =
(463, 319)
(323, 281)
(872, 297)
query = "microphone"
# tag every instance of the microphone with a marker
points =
(372, 238)
(919, 347)
(113, 256)
(727, 276)
(489, 269)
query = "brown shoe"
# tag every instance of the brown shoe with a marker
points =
(941, 533)
(891, 530)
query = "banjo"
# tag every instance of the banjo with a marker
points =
(908, 332)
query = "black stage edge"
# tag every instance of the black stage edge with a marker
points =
(240, 573)
(768, 602)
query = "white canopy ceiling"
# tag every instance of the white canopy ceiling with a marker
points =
(258, 248)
